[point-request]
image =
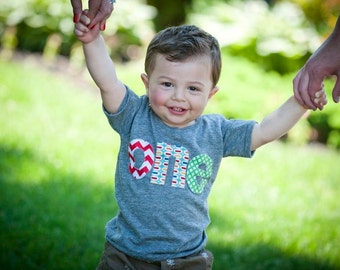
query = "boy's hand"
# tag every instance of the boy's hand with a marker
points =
(320, 98)
(83, 32)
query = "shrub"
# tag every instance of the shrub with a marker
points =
(29, 25)
(278, 38)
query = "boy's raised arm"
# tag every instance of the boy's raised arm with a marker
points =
(104, 74)
(99, 64)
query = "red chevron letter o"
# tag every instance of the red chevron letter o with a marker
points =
(149, 157)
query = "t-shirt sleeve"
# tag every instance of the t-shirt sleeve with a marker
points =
(237, 138)
(121, 120)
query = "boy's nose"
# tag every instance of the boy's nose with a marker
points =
(178, 94)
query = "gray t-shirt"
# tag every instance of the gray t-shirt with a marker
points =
(164, 176)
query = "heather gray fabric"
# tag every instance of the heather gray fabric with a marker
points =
(164, 176)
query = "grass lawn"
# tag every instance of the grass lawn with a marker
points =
(278, 210)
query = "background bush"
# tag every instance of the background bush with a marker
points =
(278, 36)
(37, 25)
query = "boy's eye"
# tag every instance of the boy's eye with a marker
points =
(193, 88)
(167, 84)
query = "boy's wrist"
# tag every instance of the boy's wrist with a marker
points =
(96, 38)
(303, 107)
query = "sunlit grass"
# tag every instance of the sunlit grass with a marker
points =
(278, 210)
(283, 200)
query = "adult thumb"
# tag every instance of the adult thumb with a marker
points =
(336, 90)
(77, 9)
(94, 6)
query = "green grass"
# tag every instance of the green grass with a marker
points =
(279, 210)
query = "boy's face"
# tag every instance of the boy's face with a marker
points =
(179, 91)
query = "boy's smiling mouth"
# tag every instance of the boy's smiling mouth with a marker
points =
(177, 110)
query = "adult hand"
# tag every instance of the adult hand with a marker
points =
(324, 62)
(99, 11)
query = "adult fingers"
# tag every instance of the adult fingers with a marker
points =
(103, 13)
(94, 6)
(99, 18)
(296, 82)
(336, 91)
(77, 9)
(300, 86)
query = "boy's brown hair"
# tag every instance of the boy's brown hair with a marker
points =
(179, 43)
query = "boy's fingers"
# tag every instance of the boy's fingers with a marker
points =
(320, 99)
(85, 19)
(318, 94)
(78, 32)
(80, 29)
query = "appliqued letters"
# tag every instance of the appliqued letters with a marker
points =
(195, 172)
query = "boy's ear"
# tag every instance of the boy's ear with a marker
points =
(213, 91)
(145, 80)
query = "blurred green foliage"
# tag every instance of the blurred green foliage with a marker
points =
(277, 37)
(29, 25)
(31, 22)
(322, 13)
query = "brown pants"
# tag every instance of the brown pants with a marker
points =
(113, 259)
